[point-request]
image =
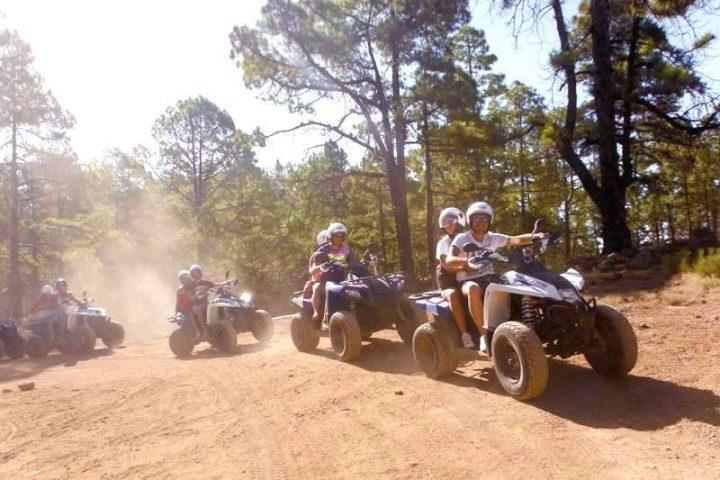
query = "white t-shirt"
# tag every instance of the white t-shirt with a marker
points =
(491, 242)
(443, 247)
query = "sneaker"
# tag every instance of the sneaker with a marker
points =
(483, 344)
(467, 340)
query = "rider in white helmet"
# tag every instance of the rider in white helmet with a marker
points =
(333, 251)
(479, 240)
(46, 308)
(199, 305)
(323, 238)
(451, 221)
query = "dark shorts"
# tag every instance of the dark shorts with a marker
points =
(482, 282)
(445, 279)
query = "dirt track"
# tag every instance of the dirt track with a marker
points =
(275, 413)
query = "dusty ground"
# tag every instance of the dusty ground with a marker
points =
(276, 413)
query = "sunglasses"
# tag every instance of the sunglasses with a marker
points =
(480, 218)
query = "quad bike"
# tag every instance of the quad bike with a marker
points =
(40, 340)
(354, 309)
(12, 343)
(531, 315)
(227, 315)
(111, 333)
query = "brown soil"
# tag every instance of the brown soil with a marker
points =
(272, 412)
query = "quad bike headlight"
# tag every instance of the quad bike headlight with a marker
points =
(246, 297)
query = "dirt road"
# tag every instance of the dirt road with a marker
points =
(272, 413)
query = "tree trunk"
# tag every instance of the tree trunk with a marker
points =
(396, 172)
(429, 201)
(14, 280)
(616, 234)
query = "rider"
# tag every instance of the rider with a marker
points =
(65, 299)
(474, 281)
(451, 221)
(334, 251)
(46, 307)
(184, 299)
(199, 304)
(322, 239)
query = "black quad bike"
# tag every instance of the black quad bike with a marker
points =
(12, 343)
(530, 315)
(227, 316)
(355, 309)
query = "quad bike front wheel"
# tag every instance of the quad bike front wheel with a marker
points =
(2, 349)
(180, 343)
(37, 347)
(222, 335)
(83, 339)
(345, 336)
(15, 347)
(113, 335)
(263, 326)
(303, 334)
(617, 349)
(519, 360)
(432, 353)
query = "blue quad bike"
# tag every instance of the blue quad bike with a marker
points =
(531, 315)
(12, 343)
(355, 309)
(41, 340)
(227, 316)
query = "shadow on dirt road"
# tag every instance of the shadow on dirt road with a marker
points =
(211, 352)
(578, 394)
(380, 355)
(25, 368)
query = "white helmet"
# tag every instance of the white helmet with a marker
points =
(480, 207)
(47, 290)
(337, 228)
(323, 238)
(451, 212)
(183, 274)
(195, 268)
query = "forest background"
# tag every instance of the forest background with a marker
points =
(626, 155)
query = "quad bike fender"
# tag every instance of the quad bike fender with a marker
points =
(496, 308)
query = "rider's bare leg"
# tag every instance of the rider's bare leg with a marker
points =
(475, 303)
(317, 300)
(454, 299)
(198, 318)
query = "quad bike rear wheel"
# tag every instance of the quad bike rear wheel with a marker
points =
(303, 334)
(222, 335)
(2, 349)
(113, 335)
(37, 347)
(519, 360)
(407, 320)
(263, 326)
(15, 347)
(83, 339)
(345, 336)
(432, 353)
(617, 350)
(180, 343)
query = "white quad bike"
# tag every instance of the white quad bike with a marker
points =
(111, 333)
(227, 315)
(530, 315)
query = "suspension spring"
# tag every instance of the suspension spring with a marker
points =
(530, 313)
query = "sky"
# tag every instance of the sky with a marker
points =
(116, 66)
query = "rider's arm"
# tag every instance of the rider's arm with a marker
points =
(524, 239)
(454, 262)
